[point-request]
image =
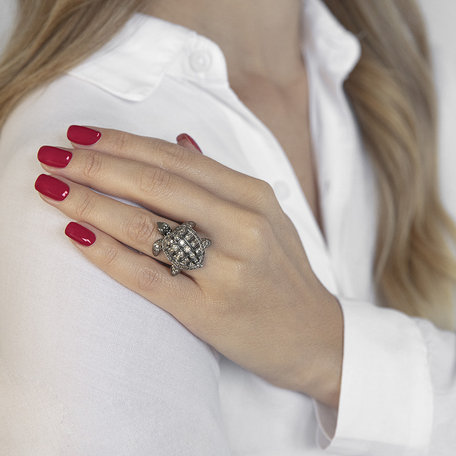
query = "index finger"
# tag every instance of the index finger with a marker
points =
(217, 178)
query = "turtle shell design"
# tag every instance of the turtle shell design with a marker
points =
(183, 247)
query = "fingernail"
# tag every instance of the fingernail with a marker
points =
(184, 137)
(80, 234)
(53, 156)
(52, 187)
(83, 135)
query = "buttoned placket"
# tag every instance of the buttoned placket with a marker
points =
(204, 62)
(346, 181)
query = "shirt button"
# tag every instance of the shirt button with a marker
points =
(200, 61)
(281, 190)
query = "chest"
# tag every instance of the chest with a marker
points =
(286, 116)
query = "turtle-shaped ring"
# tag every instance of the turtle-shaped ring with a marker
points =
(183, 247)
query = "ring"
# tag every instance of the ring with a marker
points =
(183, 247)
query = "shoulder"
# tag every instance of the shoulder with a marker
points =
(45, 114)
(134, 82)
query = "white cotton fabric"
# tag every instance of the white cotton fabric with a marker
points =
(90, 368)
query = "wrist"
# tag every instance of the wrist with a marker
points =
(322, 371)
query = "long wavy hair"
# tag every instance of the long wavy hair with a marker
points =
(392, 94)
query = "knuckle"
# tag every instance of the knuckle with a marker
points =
(263, 195)
(264, 187)
(254, 223)
(178, 158)
(84, 206)
(161, 147)
(257, 231)
(236, 272)
(121, 141)
(147, 278)
(154, 181)
(141, 229)
(92, 165)
(109, 255)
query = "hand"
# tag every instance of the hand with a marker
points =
(256, 299)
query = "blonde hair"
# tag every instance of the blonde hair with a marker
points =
(392, 94)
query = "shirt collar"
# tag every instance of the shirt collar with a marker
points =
(132, 64)
(326, 43)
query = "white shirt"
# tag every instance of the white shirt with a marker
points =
(88, 367)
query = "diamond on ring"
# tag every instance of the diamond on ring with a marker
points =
(183, 247)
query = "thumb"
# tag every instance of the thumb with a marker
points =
(188, 142)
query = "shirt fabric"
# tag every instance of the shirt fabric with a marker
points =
(88, 367)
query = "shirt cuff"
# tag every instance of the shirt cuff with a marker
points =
(386, 397)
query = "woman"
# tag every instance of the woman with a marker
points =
(301, 326)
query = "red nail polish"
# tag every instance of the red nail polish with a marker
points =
(83, 135)
(52, 187)
(53, 156)
(186, 137)
(80, 234)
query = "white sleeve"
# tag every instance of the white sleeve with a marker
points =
(87, 367)
(398, 390)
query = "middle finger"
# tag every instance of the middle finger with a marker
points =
(151, 187)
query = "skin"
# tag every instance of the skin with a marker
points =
(256, 300)
(265, 69)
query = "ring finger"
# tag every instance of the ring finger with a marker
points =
(133, 226)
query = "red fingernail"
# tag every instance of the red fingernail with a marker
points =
(52, 187)
(185, 137)
(53, 156)
(80, 234)
(83, 135)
